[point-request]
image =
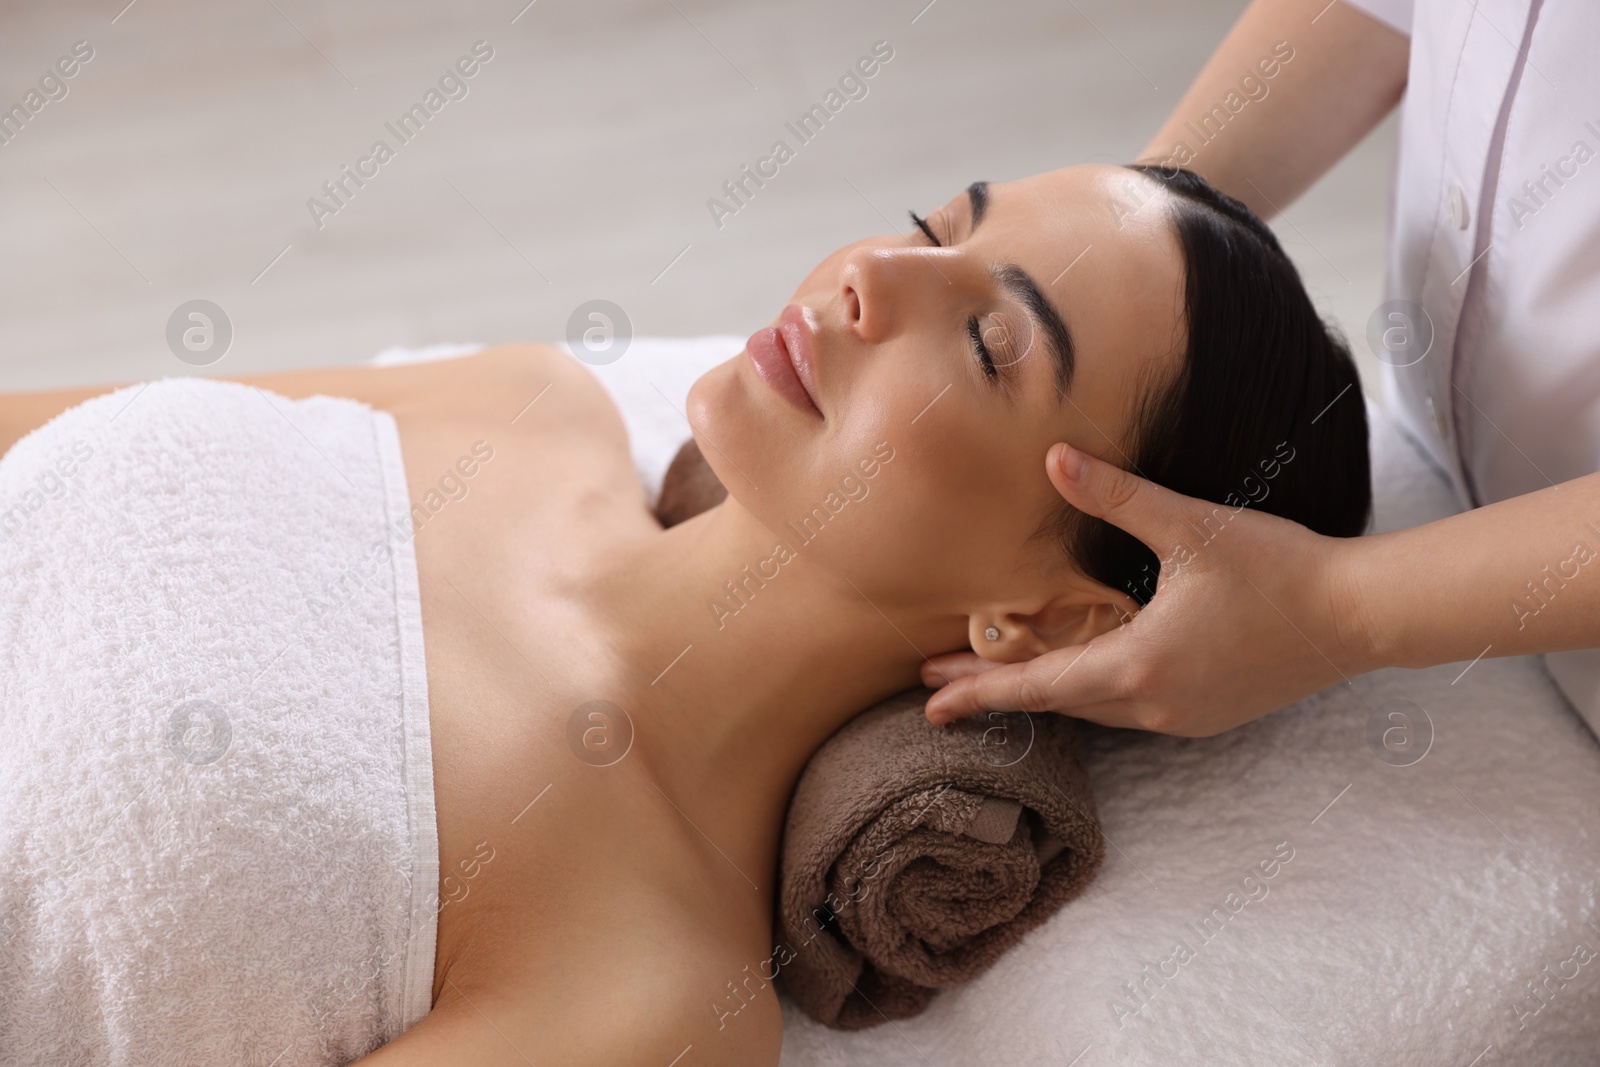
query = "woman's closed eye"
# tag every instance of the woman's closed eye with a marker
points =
(982, 349)
(979, 347)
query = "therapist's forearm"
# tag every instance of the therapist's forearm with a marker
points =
(1346, 73)
(1518, 576)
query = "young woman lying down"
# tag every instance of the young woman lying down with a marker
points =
(588, 910)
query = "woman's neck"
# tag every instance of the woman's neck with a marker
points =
(739, 662)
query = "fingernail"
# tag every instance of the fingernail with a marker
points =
(1073, 463)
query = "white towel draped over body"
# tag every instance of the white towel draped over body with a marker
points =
(217, 833)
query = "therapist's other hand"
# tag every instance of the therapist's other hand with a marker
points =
(1246, 618)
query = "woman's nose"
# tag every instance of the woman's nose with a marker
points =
(880, 286)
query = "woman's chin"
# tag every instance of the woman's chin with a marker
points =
(750, 436)
(708, 400)
(729, 425)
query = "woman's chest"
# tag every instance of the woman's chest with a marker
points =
(559, 857)
(514, 499)
(567, 878)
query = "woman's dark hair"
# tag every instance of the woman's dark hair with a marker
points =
(1266, 411)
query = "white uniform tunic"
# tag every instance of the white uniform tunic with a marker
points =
(1495, 236)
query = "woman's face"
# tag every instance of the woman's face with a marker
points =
(918, 473)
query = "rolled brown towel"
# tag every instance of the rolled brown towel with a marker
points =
(688, 488)
(914, 855)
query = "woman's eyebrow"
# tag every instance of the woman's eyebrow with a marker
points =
(1017, 282)
(978, 199)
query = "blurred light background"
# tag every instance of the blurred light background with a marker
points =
(577, 166)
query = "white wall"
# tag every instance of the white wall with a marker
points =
(181, 161)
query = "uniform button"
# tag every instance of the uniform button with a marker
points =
(1438, 420)
(1455, 200)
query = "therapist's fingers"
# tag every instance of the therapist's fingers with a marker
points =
(1061, 680)
(943, 669)
(1152, 513)
(968, 683)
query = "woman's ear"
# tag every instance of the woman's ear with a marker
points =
(1012, 633)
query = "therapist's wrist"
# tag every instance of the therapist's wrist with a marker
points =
(1356, 598)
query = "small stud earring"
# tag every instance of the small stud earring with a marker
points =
(992, 633)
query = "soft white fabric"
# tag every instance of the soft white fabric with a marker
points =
(254, 884)
(399, 354)
(1405, 930)
(1493, 234)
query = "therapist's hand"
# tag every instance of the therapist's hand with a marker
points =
(1257, 616)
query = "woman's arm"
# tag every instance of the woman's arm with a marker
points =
(1346, 72)
(22, 413)
(398, 390)
(1263, 612)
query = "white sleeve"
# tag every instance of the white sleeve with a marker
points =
(1396, 14)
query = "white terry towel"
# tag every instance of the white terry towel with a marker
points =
(217, 832)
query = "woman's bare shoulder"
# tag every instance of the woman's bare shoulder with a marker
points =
(497, 377)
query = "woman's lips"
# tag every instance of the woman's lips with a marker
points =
(784, 357)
